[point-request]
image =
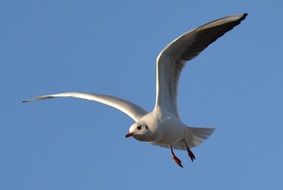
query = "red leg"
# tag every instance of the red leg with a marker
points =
(177, 160)
(190, 153)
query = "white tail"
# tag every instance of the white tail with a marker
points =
(194, 137)
(199, 135)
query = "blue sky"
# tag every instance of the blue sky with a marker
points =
(110, 47)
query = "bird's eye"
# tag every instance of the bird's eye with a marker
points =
(139, 127)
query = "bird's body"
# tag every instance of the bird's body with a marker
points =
(166, 129)
(162, 126)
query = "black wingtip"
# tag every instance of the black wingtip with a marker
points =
(27, 101)
(37, 98)
(244, 16)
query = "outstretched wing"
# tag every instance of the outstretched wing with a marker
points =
(173, 57)
(129, 108)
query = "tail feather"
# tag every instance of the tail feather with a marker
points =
(199, 135)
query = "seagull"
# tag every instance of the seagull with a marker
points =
(162, 126)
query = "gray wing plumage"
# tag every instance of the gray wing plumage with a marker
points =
(173, 57)
(129, 108)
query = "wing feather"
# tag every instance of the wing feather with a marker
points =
(173, 57)
(129, 108)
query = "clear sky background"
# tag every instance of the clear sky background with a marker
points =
(110, 47)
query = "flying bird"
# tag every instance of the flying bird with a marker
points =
(162, 126)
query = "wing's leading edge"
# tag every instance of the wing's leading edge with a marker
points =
(129, 108)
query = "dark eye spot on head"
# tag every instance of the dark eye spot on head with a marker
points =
(139, 127)
(146, 127)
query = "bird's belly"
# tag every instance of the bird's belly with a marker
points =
(168, 138)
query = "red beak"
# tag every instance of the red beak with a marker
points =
(129, 135)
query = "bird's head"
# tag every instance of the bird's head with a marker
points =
(139, 131)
